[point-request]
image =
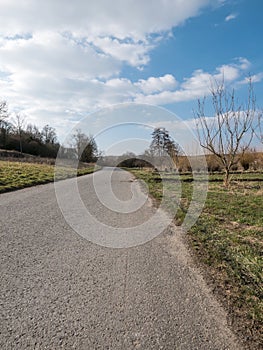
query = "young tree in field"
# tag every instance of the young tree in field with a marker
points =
(229, 132)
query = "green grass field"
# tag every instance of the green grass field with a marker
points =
(17, 175)
(227, 238)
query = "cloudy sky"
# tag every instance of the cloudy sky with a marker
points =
(63, 60)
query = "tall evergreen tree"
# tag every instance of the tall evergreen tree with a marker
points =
(163, 146)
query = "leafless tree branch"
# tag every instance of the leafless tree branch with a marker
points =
(229, 133)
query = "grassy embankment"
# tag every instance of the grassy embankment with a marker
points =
(227, 238)
(17, 175)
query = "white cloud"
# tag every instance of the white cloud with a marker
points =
(136, 54)
(153, 84)
(75, 96)
(227, 73)
(52, 54)
(122, 84)
(121, 29)
(255, 78)
(231, 17)
(64, 59)
(243, 63)
(122, 19)
(196, 86)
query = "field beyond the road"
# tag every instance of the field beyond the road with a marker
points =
(17, 175)
(227, 240)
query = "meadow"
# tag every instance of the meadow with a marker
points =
(226, 241)
(16, 175)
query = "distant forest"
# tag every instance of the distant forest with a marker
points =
(18, 135)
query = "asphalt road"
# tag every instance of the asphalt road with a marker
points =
(61, 291)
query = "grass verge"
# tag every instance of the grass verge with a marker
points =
(17, 175)
(227, 239)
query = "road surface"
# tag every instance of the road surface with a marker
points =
(61, 291)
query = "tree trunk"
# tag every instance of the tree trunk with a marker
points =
(227, 178)
(20, 144)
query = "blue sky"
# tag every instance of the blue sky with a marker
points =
(63, 61)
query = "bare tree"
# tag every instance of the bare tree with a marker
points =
(19, 127)
(49, 134)
(260, 126)
(85, 146)
(34, 133)
(228, 134)
(80, 140)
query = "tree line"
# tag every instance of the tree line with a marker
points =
(162, 154)
(27, 138)
(227, 135)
